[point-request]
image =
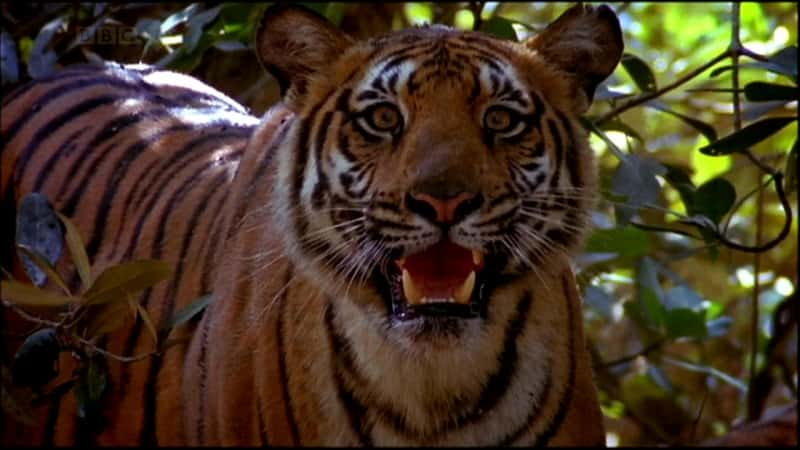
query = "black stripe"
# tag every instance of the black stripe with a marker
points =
(170, 168)
(322, 186)
(258, 178)
(202, 367)
(127, 157)
(495, 388)
(63, 151)
(558, 149)
(158, 193)
(282, 373)
(565, 400)
(572, 158)
(49, 128)
(148, 433)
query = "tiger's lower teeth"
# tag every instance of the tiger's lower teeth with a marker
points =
(415, 296)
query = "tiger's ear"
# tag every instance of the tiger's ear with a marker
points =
(293, 43)
(585, 44)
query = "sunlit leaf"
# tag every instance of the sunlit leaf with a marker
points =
(25, 294)
(640, 72)
(714, 199)
(116, 282)
(759, 91)
(747, 136)
(77, 251)
(35, 363)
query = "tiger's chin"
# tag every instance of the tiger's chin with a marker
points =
(436, 294)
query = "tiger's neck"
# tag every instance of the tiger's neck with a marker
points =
(502, 385)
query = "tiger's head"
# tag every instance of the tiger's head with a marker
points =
(429, 168)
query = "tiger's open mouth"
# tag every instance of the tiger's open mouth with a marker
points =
(444, 280)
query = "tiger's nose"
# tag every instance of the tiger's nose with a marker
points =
(444, 210)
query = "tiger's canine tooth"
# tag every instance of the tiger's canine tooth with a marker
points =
(464, 292)
(477, 258)
(411, 291)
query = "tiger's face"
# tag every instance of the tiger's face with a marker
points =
(432, 167)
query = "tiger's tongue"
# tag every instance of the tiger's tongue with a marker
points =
(442, 272)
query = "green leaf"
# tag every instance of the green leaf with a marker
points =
(635, 179)
(714, 199)
(77, 251)
(759, 91)
(627, 241)
(500, 27)
(640, 72)
(117, 282)
(90, 390)
(189, 311)
(682, 296)
(35, 363)
(685, 322)
(649, 294)
(335, 13)
(747, 136)
(25, 294)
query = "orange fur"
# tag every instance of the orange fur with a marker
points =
(298, 347)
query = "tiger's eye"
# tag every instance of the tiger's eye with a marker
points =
(498, 119)
(384, 117)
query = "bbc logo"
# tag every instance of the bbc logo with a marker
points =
(108, 36)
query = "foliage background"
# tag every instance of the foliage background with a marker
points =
(673, 318)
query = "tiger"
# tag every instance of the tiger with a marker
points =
(388, 248)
